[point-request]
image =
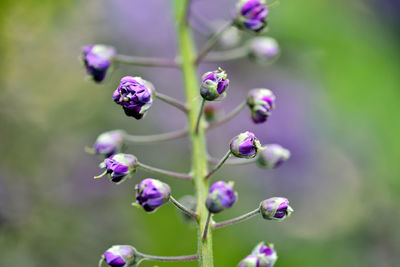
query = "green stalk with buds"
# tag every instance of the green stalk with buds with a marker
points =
(136, 96)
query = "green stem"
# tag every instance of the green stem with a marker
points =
(199, 116)
(205, 231)
(233, 161)
(198, 143)
(228, 117)
(147, 61)
(183, 208)
(164, 172)
(101, 261)
(219, 165)
(156, 137)
(168, 258)
(172, 101)
(237, 219)
(212, 42)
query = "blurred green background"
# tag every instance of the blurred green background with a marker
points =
(338, 89)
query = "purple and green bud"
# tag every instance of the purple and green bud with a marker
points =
(152, 193)
(251, 15)
(272, 156)
(119, 167)
(97, 59)
(263, 49)
(121, 256)
(245, 145)
(109, 143)
(214, 84)
(275, 208)
(261, 256)
(261, 103)
(135, 95)
(220, 197)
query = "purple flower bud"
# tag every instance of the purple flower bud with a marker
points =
(97, 59)
(251, 15)
(135, 95)
(119, 166)
(261, 102)
(221, 196)
(261, 256)
(275, 208)
(152, 193)
(121, 256)
(214, 84)
(263, 49)
(272, 156)
(266, 254)
(109, 143)
(245, 145)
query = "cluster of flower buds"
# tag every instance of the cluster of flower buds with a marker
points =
(214, 84)
(121, 256)
(275, 208)
(135, 95)
(119, 167)
(152, 193)
(220, 197)
(261, 102)
(109, 143)
(251, 15)
(261, 256)
(245, 145)
(97, 59)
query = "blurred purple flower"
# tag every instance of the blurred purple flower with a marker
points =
(261, 102)
(272, 156)
(152, 193)
(109, 143)
(120, 256)
(245, 145)
(221, 196)
(275, 208)
(251, 15)
(263, 49)
(119, 166)
(97, 59)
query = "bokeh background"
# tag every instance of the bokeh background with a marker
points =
(338, 89)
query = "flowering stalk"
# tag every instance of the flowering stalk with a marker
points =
(164, 172)
(198, 144)
(237, 219)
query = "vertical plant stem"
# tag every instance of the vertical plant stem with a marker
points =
(198, 143)
(199, 116)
